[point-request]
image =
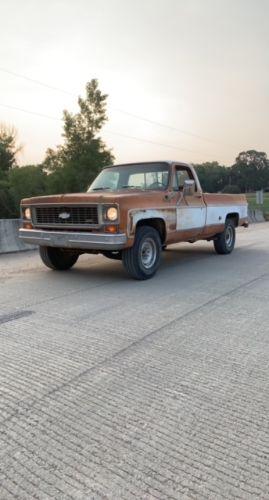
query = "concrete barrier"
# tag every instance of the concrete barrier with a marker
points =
(9, 237)
(255, 215)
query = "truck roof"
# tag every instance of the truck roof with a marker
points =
(170, 162)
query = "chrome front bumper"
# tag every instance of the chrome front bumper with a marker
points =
(86, 241)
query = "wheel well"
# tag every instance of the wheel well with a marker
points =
(158, 224)
(235, 217)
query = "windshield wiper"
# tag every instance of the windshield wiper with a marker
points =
(131, 187)
(122, 187)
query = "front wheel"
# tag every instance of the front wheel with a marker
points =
(142, 260)
(58, 258)
(224, 244)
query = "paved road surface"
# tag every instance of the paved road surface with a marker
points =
(112, 388)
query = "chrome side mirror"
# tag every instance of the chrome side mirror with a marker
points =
(189, 187)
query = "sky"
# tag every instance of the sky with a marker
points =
(198, 69)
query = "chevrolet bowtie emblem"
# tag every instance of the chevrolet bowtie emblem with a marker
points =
(64, 215)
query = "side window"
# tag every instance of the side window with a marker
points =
(181, 175)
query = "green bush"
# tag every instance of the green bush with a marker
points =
(231, 189)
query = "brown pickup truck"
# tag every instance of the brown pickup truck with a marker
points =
(131, 213)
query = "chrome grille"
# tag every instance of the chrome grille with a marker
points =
(66, 215)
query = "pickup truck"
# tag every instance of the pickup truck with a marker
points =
(131, 213)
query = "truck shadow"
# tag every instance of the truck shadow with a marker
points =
(188, 261)
(176, 257)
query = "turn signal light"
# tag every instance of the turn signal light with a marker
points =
(27, 225)
(111, 229)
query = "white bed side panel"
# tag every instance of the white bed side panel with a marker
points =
(217, 214)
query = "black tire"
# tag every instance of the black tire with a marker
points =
(116, 255)
(225, 241)
(58, 258)
(142, 260)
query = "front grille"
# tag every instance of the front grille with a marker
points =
(66, 216)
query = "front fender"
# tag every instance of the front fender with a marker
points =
(135, 216)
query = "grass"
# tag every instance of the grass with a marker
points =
(251, 197)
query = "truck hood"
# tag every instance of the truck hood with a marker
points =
(93, 197)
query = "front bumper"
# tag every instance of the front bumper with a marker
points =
(86, 241)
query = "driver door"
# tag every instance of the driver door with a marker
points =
(190, 209)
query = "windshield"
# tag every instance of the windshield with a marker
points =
(148, 176)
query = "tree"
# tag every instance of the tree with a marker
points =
(213, 176)
(8, 152)
(231, 189)
(25, 182)
(251, 170)
(8, 149)
(6, 202)
(73, 165)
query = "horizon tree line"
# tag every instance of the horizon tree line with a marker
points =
(72, 166)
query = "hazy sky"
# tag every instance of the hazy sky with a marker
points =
(199, 66)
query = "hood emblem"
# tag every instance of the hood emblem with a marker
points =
(64, 215)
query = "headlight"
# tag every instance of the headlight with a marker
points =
(27, 213)
(112, 213)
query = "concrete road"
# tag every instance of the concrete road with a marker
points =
(112, 388)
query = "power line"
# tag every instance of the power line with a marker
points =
(163, 125)
(38, 82)
(149, 141)
(140, 139)
(133, 115)
(16, 108)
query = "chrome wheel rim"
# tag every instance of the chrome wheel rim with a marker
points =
(229, 236)
(148, 253)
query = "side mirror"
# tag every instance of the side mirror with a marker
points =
(189, 187)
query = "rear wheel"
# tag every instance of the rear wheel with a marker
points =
(142, 260)
(224, 244)
(58, 258)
